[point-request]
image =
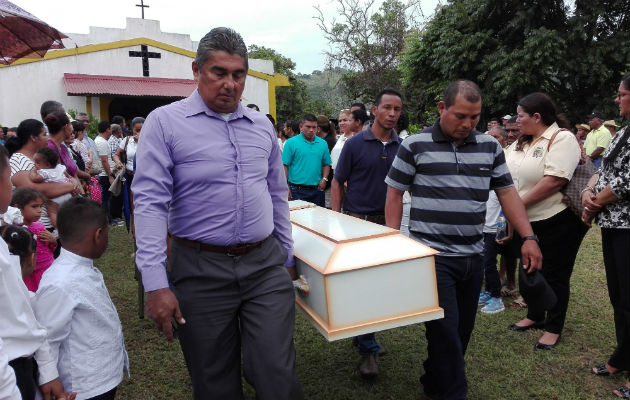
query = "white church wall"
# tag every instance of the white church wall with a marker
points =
(26, 86)
(264, 66)
(256, 92)
(117, 62)
(135, 28)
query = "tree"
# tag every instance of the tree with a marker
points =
(515, 47)
(324, 89)
(291, 101)
(368, 43)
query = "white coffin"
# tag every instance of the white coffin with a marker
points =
(363, 277)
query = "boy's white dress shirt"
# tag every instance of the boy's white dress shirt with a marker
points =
(84, 331)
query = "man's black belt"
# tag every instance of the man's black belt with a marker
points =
(234, 250)
(303, 186)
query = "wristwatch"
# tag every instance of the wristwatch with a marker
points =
(531, 237)
(326, 179)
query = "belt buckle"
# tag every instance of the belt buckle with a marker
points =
(233, 251)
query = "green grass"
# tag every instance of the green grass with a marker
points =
(500, 364)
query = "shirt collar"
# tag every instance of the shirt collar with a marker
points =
(438, 136)
(369, 135)
(195, 105)
(75, 258)
(309, 142)
(550, 131)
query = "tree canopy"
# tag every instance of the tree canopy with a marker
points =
(576, 53)
(291, 101)
(367, 43)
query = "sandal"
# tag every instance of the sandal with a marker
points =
(507, 292)
(519, 302)
(623, 392)
(601, 370)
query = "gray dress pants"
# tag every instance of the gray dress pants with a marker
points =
(233, 304)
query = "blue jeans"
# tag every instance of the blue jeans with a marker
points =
(315, 196)
(459, 283)
(367, 344)
(490, 248)
(597, 162)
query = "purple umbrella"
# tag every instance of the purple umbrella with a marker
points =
(24, 35)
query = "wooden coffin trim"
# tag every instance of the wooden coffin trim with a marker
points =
(377, 235)
(332, 327)
(300, 207)
(324, 270)
(424, 314)
(391, 261)
(341, 215)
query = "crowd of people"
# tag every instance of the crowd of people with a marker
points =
(210, 212)
(60, 331)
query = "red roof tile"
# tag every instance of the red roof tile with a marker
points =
(87, 85)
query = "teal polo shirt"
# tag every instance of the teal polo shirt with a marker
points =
(305, 159)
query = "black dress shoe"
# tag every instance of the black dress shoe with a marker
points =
(535, 325)
(368, 368)
(541, 346)
(429, 386)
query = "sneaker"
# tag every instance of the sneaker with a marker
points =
(484, 297)
(493, 306)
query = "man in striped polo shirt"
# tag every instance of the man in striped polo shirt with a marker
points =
(450, 169)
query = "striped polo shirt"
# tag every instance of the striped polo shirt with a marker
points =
(449, 187)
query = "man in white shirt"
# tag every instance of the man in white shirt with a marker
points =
(72, 302)
(104, 153)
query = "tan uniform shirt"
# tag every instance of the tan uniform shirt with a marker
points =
(531, 164)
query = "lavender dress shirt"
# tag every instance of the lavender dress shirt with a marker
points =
(207, 179)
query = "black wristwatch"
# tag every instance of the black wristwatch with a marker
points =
(531, 237)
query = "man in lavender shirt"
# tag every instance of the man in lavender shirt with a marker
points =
(209, 171)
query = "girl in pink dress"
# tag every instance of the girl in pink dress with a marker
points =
(30, 201)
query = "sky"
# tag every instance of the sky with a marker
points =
(287, 26)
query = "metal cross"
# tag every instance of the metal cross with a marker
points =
(145, 54)
(142, 7)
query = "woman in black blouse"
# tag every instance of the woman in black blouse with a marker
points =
(607, 198)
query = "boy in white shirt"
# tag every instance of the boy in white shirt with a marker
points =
(73, 304)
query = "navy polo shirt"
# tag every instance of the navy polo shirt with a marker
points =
(363, 163)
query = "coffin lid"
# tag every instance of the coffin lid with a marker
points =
(347, 243)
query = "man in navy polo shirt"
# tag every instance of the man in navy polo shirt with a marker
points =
(306, 163)
(450, 169)
(363, 164)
